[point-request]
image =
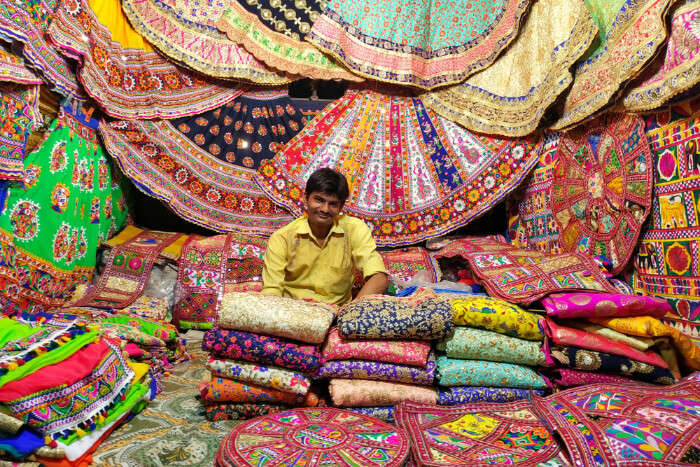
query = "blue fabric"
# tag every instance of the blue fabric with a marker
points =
(21, 444)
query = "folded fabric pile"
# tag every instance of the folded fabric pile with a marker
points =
(601, 337)
(380, 353)
(63, 388)
(493, 353)
(261, 355)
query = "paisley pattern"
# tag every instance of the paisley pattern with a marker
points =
(266, 350)
(454, 372)
(424, 43)
(601, 193)
(412, 174)
(383, 317)
(322, 436)
(509, 433)
(615, 424)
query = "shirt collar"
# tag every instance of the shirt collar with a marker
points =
(305, 228)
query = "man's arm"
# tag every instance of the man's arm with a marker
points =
(375, 284)
(275, 264)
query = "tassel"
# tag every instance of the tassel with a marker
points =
(80, 431)
(12, 366)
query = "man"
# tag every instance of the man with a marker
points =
(315, 255)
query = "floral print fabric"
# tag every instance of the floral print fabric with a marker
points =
(383, 317)
(238, 345)
(361, 369)
(243, 411)
(477, 344)
(590, 305)
(364, 393)
(382, 413)
(496, 315)
(465, 394)
(591, 360)
(227, 390)
(267, 376)
(278, 316)
(453, 372)
(391, 351)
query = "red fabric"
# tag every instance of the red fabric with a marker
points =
(74, 368)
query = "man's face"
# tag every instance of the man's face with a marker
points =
(322, 208)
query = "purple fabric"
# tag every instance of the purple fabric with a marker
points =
(378, 371)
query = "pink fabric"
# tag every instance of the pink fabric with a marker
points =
(588, 305)
(587, 340)
(568, 377)
(392, 351)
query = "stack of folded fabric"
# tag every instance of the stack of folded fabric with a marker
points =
(380, 353)
(63, 388)
(492, 354)
(261, 354)
(599, 338)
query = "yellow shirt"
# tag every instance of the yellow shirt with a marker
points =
(298, 265)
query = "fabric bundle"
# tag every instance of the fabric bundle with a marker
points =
(454, 372)
(458, 395)
(378, 371)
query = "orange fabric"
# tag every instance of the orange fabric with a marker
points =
(646, 326)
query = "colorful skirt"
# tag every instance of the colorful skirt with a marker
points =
(27, 24)
(672, 72)
(423, 43)
(503, 99)
(122, 72)
(19, 108)
(412, 174)
(631, 31)
(203, 166)
(70, 203)
(274, 32)
(188, 35)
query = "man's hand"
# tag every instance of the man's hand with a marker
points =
(375, 284)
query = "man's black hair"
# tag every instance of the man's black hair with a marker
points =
(329, 182)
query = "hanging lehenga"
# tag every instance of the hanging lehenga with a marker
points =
(412, 174)
(186, 32)
(422, 43)
(202, 166)
(503, 99)
(122, 72)
(69, 203)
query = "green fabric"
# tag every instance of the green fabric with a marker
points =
(52, 226)
(452, 372)
(477, 344)
(604, 13)
(133, 396)
(143, 325)
(11, 330)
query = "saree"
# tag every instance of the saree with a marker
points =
(365, 393)
(390, 351)
(454, 372)
(228, 390)
(282, 379)
(603, 305)
(378, 371)
(477, 344)
(458, 395)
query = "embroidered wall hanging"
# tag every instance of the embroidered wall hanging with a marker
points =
(623, 424)
(420, 43)
(203, 166)
(186, 33)
(476, 434)
(667, 262)
(19, 108)
(630, 33)
(523, 276)
(14, 69)
(273, 31)
(128, 268)
(28, 26)
(323, 436)
(601, 192)
(672, 72)
(404, 264)
(531, 224)
(412, 174)
(121, 71)
(210, 267)
(71, 202)
(503, 99)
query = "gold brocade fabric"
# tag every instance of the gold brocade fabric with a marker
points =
(510, 97)
(631, 31)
